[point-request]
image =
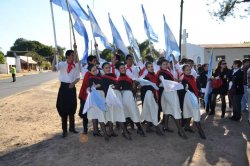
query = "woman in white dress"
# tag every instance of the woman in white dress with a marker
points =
(94, 112)
(149, 97)
(125, 84)
(114, 113)
(189, 101)
(169, 101)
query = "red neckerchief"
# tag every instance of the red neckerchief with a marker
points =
(110, 76)
(71, 65)
(152, 77)
(166, 72)
(125, 78)
(191, 81)
(113, 68)
(129, 67)
(142, 71)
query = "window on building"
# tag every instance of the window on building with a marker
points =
(198, 60)
(220, 57)
(246, 56)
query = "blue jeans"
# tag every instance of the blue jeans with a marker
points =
(244, 99)
(237, 106)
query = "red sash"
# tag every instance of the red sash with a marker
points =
(152, 77)
(191, 82)
(125, 78)
(166, 72)
(142, 71)
(70, 66)
(113, 68)
(129, 67)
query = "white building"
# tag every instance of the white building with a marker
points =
(201, 53)
(20, 62)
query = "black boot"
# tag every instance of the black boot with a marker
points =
(181, 132)
(223, 113)
(188, 127)
(64, 125)
(72, 124)
(111, 130)
(165, 123)
(158, 131)
(201, 132)
(212, 112)
(85, 127)
(148, 127)
(96, 132)
(103, 127)
(140, 130)
(125, 133)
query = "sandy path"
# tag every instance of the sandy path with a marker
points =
(31, 135)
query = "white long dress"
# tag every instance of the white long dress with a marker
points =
(170, 104)
(95, 113)
(115, 113)
(150, 108)
(130, 106)
(191, 108)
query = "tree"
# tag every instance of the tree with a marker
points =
(43, 50)
(36, 57)
(2, 60)
(226, 8)
(145, 50)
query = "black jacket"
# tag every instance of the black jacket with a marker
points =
(224, 76)
(237, 83)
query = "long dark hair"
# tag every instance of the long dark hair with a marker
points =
(218, 68)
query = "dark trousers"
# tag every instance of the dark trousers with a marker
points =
(237, 106)
(223, 103)
(71, 122)
(83, 116)
(14, 77)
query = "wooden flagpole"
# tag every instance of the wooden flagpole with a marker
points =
(74, 38)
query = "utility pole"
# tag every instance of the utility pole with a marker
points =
(180, 32)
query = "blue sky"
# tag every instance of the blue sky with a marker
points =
(31, 19)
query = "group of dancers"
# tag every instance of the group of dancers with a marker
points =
(125, 81)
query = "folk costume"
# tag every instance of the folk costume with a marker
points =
(66, 100)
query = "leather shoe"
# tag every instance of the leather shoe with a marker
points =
(74, 131)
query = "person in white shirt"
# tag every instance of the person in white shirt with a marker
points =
(69, 75)
(179, 66)
(131, 69)
(90, 60)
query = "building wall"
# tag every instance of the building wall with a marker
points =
(230, 54)
(3, 68)
(195, 52)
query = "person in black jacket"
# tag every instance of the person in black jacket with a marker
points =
(236, 89)
(221, 72)
(202, 81)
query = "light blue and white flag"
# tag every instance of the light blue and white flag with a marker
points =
(97, 32)
(132, 40)
(94, 99)
(80, 28)
(170, 42)
(148, 28)
(73, 5)
(117, 40)
(209, 75)
(144, 82)
(170, 85)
